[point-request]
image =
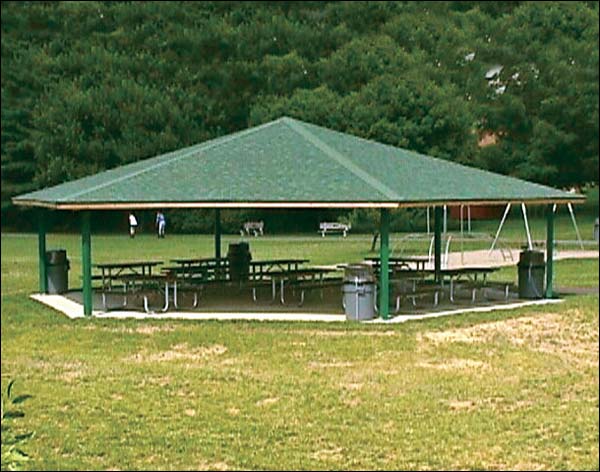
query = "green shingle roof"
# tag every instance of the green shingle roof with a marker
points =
(288, 162)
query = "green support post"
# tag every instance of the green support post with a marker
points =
(437, 243)
(218, 233)
(86, 262)
(384, 255)
(549, 250)
(42, 251)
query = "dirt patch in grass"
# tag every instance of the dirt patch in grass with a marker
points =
(180, 352)
(66, 371)
(497, 404)
(461, 405)
(214, 466)
(331, 454)
(326, 365)
(353, 386)
(267, 401)
(550, 333)
(142, 329)
(340, 334)
(454, 364)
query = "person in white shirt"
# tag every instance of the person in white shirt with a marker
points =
(132, 225)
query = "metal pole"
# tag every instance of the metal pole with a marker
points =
(384, 254)
(462, 237)
(217, 233)
(549, 251)
(42, 251)
(570, 207)
(446, 254)
(500, 227)
(524, 211)
(445, 219)
(469, 219)
(86, 262)
(437, 236)
(428, 225)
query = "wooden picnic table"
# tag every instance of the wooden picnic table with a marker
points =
(260, 269)
(293, 276)
(112, 271)
(471, 273)
(201, 261)
(188, 268)
(400, 263)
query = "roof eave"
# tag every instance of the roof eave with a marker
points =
(80, 206)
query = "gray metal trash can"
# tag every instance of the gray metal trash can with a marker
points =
(596, 230)
(532, 269)
(57, 271)
(359, 292)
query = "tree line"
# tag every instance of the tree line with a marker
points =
(511, 87)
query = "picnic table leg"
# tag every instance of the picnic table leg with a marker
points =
(301, 297)
(166, 307)
(175, 294)
(397, 304)
(321, 282)
(124, 294)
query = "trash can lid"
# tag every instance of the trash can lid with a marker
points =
(56, 256)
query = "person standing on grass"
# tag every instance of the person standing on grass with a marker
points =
(132, 225)
(161, 223)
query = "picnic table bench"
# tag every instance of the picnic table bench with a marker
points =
(118, 271)
(302, 279)
(334, 227)
(138, 285)
(413, 284)
(468, 277)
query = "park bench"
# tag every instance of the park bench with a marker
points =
(254, 227)
(333, 227)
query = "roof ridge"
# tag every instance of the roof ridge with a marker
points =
(343, 160)
(162, 162)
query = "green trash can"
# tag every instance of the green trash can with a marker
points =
(57, 271)
(532, 270)
(239, 257)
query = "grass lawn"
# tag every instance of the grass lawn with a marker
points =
(504, 390)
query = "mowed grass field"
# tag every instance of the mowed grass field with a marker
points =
(504, 390)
